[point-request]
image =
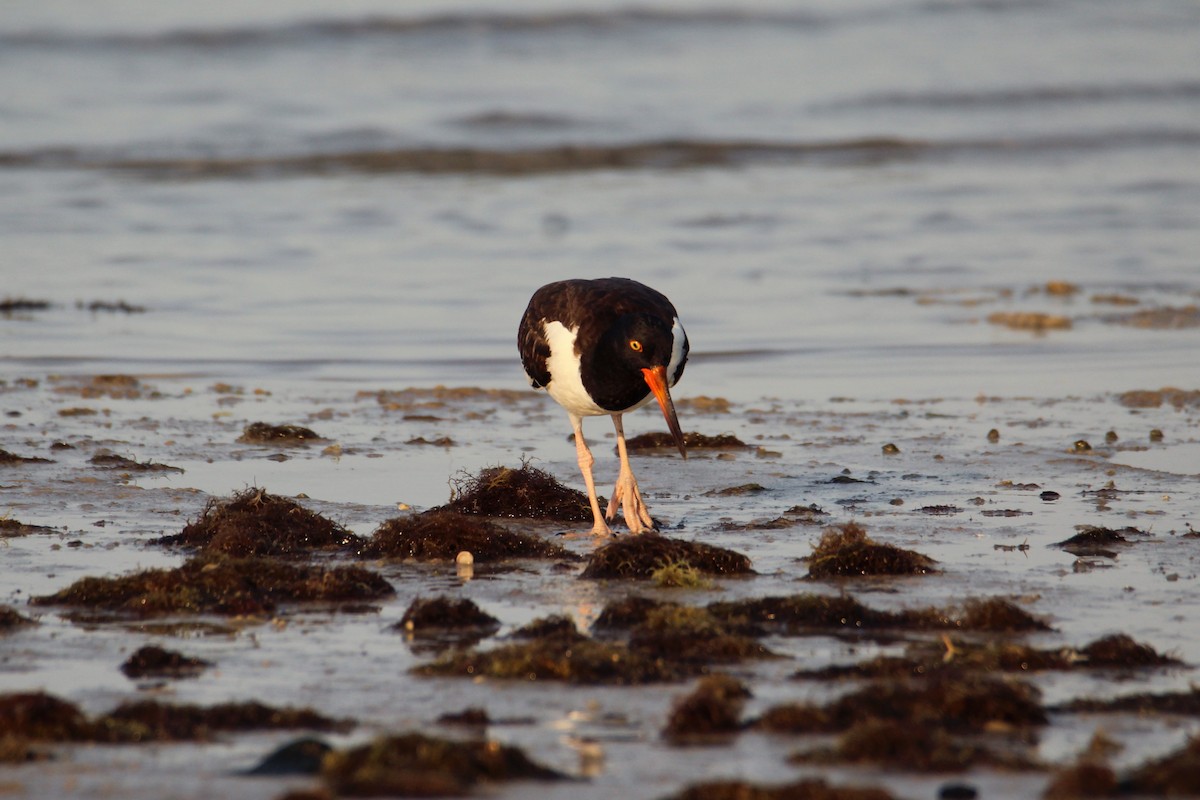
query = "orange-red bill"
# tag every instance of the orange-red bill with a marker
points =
(656, 379)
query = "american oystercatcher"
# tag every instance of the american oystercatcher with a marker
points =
(605, 346)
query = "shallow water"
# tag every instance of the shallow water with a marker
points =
(836, 196)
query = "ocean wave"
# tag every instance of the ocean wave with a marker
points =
(1029, 96)
(483, 23)
(435, 25)
(666, 154)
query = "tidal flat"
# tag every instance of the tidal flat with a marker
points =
(1003, 655)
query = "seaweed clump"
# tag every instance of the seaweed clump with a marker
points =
(148, 720)
(806, 611)
(441, 535)
(1083, 780)
(8, 459)
(524, 492)
(152, 661)
(796, 515)
(712, 710)
(846, 550)
(12, 528)
(416, 765)
(922, 659)
(255, 523)
(1143, 703)
(693, 636)
(36, 718)
(443, 613)
(922, 746)
(799, 612)
(578, 660)
(118, 462)
(667, 642)
(925, 726)
(997, 615)
(41, 717)
(280, 435)
(661, 440)
(1093, 540)
(641, 556)
(245, 586)
(440, 622)
(1176, 774)
(966, 703)
(11, 619)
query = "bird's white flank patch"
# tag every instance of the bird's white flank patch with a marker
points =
(566, 384)
(678, 337)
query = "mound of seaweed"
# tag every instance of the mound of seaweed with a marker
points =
(524, 492)
(151, 720)
(152, 661)
(441, 535)
(12, 528)
(806, 611)
(640, 556)
(922, 746)
(230, 586)
(428, 616)
(1094, 540)
(957, 703)
(436, 623)
(255, 523)
(712, 710)
(416, 765)
(846, 550)
(11, 620)
(37, 717)
(279, 435)
(800, 612)
(694, 636)
(661, 440)
(578, 660)
(669, 642)
(928, 658)
(1143, 703)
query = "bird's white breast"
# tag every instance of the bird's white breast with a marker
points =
(566, 382)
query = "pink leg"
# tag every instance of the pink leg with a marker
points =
(626, 496)
(599, 526)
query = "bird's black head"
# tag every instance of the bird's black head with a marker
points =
(639, 341)
(631, 362)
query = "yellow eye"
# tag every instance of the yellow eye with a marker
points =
(635, 345)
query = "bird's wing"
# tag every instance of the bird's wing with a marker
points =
(532, 343)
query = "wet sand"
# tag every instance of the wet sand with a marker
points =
(985, 487)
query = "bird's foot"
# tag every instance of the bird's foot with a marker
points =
(628, 500)
(601, 528)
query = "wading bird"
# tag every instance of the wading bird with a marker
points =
(605, 346)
